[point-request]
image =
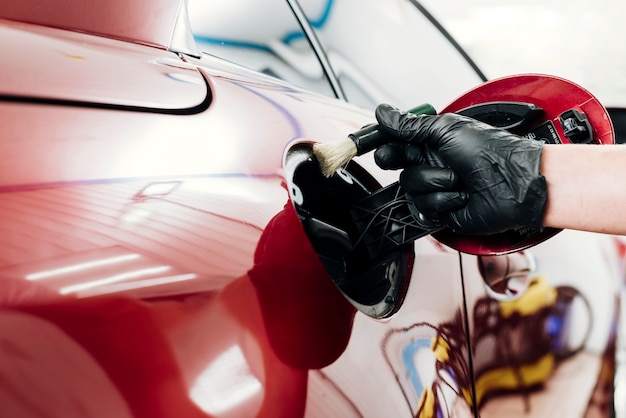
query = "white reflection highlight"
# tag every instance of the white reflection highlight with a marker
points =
(248, 190)
(81, 266)
(159, 189)
(140, 284)
(226, 383)
(136, 215)
(115, 278)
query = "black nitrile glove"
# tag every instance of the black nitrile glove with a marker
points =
(472, 177)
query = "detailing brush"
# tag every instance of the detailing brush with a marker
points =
(333, 155)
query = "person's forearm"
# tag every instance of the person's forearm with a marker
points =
(586, 187)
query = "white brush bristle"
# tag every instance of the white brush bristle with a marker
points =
(334, 155)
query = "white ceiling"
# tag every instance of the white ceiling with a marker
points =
(582, 41)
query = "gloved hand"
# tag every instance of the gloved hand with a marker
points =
(473, 177)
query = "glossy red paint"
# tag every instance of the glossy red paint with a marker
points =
(553, 94)
(180, 281)
(150, 22)
(76, 68)
(308, 321)
(153, 350)
(152, 264)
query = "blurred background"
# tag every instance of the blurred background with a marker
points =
(579, 40)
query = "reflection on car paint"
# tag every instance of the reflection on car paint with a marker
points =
(507, 359)
(252, 360)
(506, 276)
(287, 38)
(435, 393)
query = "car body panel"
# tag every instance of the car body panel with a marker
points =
(89, 69)
(150, 22)
(120, 232)
(153, 265)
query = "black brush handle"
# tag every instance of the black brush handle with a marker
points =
(369, 137)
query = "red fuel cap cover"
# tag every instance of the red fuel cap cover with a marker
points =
(556, 111)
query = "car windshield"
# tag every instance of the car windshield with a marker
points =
(379, 50)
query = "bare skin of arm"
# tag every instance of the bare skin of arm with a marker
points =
(586, 187)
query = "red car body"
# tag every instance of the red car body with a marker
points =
(153, 264)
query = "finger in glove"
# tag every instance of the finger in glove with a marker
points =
(435, 204)
(396, 155)
(396, 123)
(427, 179)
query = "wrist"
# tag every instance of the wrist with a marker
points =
(536, 199)
(585, 187)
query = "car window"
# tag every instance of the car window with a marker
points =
(380, 50)
(390, 51)
(263, 35)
